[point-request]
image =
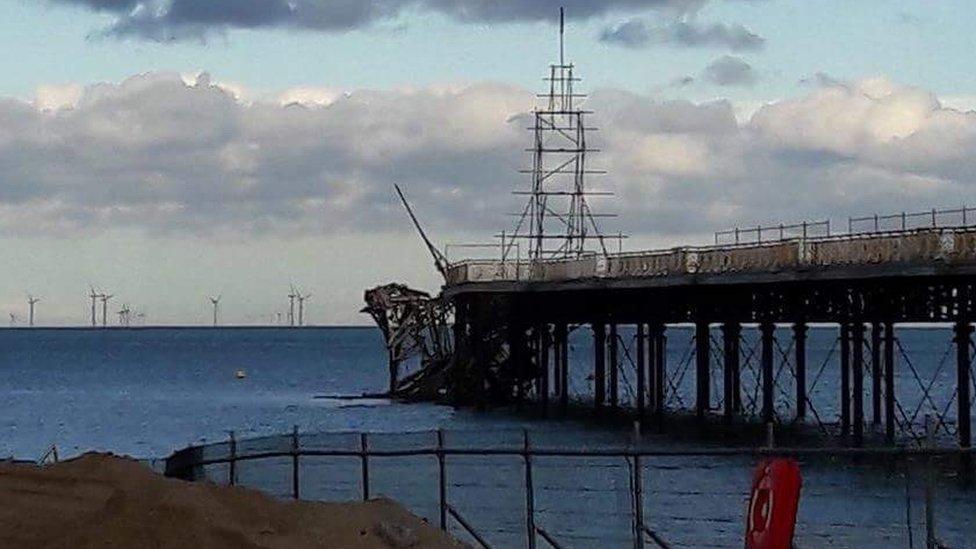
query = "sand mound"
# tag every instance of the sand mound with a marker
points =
(105, 501)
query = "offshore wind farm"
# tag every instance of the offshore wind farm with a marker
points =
(127, 317)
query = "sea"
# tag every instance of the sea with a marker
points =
(146, 392)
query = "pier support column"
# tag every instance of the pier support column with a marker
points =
(876, 373)
(845, 379)
(562, 365)
(599, 365)
(800, 360)
(768, 332)
(460, 359)
(542, 383)
(963, 338)
(557, 389)
(476, 389)
(516, 352)
(702, 369)
(730, 342)
(889, 381)
(614, 368)
(659, 343)
(858, 374)
(641, 372)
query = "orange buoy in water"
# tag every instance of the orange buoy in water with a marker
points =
(773, 504)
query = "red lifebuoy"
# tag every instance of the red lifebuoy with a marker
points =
(771, 516)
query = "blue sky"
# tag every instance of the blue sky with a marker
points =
(121, 167)
(922, 43)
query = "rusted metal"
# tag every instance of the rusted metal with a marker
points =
(414, 325)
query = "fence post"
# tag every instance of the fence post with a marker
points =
(638, 490)
(529, 493)
(232, 473)
(294, 463)
(364, 456)
(442, 479)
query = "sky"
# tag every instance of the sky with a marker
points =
(164, 151)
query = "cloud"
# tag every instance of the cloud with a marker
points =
(166, 20)
(164, 154)
(688, 33)
(730, 71)
(118, 6)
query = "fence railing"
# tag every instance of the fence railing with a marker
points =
(772, 233)
(906, 221)
(191, 463)
(903, 221)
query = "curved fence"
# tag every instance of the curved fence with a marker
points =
(513, 489)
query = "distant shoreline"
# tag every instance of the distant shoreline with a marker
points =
(181, 327)
(905, 326)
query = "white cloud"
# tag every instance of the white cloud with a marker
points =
(54, 97)
(182, 166)
(310, 96)
(169, 154)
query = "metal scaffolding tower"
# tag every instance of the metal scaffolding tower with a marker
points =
(557, 221)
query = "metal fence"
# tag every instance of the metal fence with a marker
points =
(773, 233)
(897, 222)
(512, 489)
(906, 221)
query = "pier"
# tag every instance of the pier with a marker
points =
(557, 274)
(511, 320)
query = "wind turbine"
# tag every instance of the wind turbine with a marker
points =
(31, 301)
(13, 320)
(215, 301)
(301, 307)
(124, 315)
(94, 297)
(291, 305)
(105, 299)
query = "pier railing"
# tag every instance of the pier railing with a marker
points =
(518, 490)
(918, 246)
(902, 238)
(905, 221)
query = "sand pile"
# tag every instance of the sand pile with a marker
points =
(105, 501)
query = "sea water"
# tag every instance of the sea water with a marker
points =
(149, 391)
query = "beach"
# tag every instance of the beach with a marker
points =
(106, 501)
